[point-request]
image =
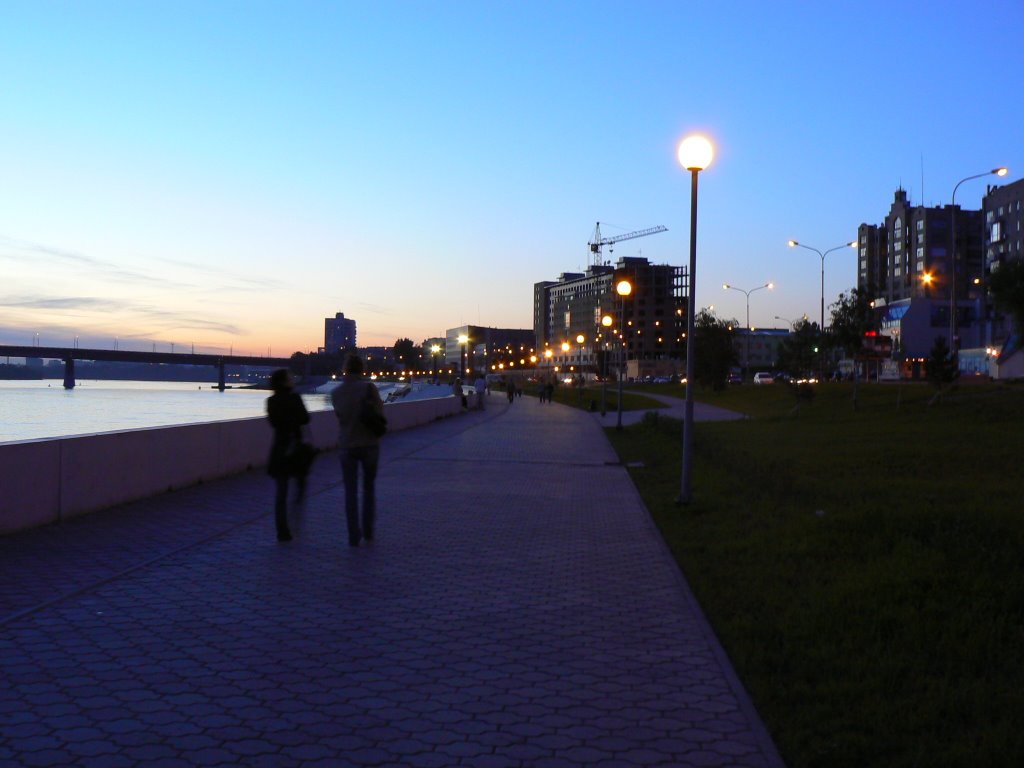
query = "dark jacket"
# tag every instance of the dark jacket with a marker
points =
(348, 402)
(286, 413)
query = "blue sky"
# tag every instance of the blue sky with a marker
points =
(228, 174)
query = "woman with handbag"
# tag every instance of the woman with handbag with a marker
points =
(361, 424)
(287, 415)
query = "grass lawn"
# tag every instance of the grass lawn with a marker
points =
(862, 568)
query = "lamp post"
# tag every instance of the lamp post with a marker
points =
(746, 354)
(434, 350)
(606, 322)
(694, 153)
(464, 358)
(821, 327)
(955, 256)
(623, 288)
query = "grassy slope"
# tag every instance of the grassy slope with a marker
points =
(861, 568)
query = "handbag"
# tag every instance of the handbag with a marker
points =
(371, 418)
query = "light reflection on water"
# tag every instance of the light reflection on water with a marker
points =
(31, 410)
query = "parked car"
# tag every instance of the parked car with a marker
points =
(763, 378)
(735, 378)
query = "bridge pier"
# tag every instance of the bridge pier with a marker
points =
(221, 384)
(69, 373)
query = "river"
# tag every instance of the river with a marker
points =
(31, 410)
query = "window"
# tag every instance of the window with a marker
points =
(863, 263)
(920, 225)
(897, 272)
(920, 251)
(997, 232)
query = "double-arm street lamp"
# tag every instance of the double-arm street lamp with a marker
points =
(694, 153)
(746, 355)
(795, 244)
(822, 254)
(956, 256)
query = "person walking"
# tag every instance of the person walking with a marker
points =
(480, 385)
(287, 414)
(358, 447)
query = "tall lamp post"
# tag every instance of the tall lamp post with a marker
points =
(746, 354)
(623, 288)
(464, 341)
(956, 256)
(606, 323)
(434, 350)
(695, 154)
(821, 327)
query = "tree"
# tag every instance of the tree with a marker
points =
(405, 354)
(851, 319)
(1006, 285)
(942, 366)
(798, 354)
(714, 354)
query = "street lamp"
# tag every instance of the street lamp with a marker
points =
(606, 323)
(952, 271)
(623, 288)
(746, 354)
(821, 327)
(464, 341)
(434, 350)
(694, 153)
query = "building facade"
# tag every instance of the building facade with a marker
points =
(907, 265)
(339, 334)
(485, 348)
(1003, 212)
(647, 325)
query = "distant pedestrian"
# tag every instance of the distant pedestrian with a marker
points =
(549, 391)
(358, 446)
(287, 414)
(510, 390)
(480, 385)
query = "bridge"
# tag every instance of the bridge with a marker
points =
(70, 355)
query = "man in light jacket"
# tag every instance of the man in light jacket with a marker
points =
(357, 445)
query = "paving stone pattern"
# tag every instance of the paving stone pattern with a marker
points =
(518, 608)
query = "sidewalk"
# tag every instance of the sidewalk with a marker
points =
(518, 608)
(676, 409)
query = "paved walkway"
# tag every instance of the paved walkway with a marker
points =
(517, 609)
(676, 409)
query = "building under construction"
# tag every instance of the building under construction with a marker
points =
(648, 325)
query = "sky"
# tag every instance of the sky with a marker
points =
(228, 174)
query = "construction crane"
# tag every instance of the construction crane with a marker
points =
(597, 243)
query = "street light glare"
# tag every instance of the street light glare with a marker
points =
(771, 286)
(792, 243)
(624, 288)
(1001, 171)
(695, 153)
(725, 286)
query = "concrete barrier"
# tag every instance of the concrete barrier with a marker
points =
(44, 481)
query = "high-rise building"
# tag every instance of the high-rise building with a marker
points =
(906, 264)
(1003, 211)
(339, 334)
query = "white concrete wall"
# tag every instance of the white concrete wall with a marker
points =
(43, 481)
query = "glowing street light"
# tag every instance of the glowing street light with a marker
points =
(956, 255)
(623, 288)
(695, 154)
